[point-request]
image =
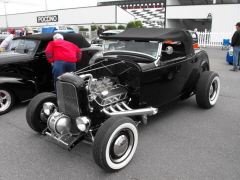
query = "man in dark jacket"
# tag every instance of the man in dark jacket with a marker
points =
(235, 43)
(63, 56)
(100, 31)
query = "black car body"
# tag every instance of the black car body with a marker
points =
(149, 70)
(25, 72)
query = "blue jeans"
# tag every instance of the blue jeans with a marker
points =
(236, 51)
(60, 67)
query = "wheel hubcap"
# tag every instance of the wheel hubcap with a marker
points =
(120, 145)
(213, 90)
(5, 100)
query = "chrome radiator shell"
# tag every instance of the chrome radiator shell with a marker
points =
(68, 102)
(67, 99)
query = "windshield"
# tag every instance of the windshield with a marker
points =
(23, 45)
(149, 48)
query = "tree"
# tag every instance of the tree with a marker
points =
(93, 28)
(138, 23)
(121, 27)
(134, 24)
(131, 24)
(112, 27)
(83, 29)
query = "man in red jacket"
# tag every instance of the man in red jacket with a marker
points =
(63, 56)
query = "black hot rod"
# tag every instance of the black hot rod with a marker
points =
(104, 103)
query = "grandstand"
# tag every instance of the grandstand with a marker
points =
(150, 17)
(150, 12)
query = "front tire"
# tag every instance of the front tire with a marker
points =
(115, 143)
(208, 89)
(7, 100)
(36, 118)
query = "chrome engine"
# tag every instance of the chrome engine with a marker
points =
(106, 91)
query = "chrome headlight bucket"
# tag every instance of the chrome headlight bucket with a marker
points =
(59, 123)
(48, 108)
(83, 123)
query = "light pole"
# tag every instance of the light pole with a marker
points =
(46, 11)
(5, 13)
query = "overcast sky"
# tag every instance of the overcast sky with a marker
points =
(21, 6)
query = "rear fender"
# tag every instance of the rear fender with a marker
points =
(23, 88)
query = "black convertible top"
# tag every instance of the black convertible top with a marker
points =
(156, 34)
(75, 38)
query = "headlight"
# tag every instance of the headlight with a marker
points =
(48, 108)
(83, 123)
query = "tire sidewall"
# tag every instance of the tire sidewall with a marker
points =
(103, 141)
(203, 89)
(108, 160)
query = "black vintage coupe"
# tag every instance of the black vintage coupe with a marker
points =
(25, 72)
(104, 103)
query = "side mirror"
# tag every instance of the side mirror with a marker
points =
(168, 50)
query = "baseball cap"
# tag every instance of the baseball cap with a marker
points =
(11, 31)
(238, 24)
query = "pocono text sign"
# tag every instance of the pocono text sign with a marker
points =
(51, 18)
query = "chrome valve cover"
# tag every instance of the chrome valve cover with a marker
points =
(111, 96)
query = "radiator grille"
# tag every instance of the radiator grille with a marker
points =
(67, 99)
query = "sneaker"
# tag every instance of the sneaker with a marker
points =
(235, 70)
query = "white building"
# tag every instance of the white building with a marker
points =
(175, 14)
(73, 16)
(217, 17)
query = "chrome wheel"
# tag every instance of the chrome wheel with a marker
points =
(5, 100)
(214, 90)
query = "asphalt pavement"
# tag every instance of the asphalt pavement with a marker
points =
(181, 143)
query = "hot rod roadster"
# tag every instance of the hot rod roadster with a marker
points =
(103, 103)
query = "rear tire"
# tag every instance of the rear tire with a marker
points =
(208, 89)
(36, 119)
(115, 143)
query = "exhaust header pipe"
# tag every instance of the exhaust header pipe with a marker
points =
(117, 110)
